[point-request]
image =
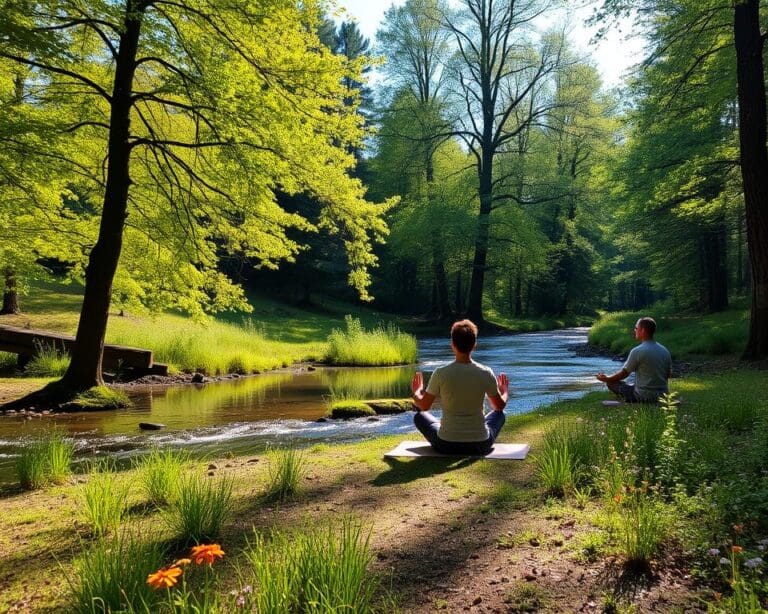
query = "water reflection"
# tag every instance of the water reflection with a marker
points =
(244, 415)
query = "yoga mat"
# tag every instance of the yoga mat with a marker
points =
(501, 451)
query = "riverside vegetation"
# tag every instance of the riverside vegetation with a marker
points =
(645, 496)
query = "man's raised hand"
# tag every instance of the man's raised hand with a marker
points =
(503, 383)
(417, 383)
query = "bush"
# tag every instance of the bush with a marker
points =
(642, 527)
(200, 508)
(380, 346)
(112, 576)
(98, 397)
(556, 469)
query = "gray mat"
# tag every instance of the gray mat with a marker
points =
(501, 451)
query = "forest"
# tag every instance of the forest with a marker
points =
(223, 182)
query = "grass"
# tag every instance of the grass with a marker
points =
(286, 469)
(45, 459)
(47, 362)
(103, 500)
(715, 334)
(200, 508)
(443, 514)
(111, 575)
(383, 345)
(355, 408)
(160, 472)
(313, 570)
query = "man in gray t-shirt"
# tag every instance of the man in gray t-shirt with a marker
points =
(650, 362)
(461, 387)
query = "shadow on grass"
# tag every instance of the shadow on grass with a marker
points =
(402, 472)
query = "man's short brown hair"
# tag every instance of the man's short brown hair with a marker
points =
(464, 335)
(648, 324)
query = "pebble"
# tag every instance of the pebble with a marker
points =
(211, 473)
(253, 460)
(212, 467)
(477, 601)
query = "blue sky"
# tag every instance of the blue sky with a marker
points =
(612, 56)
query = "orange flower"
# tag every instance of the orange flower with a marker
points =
(736, 549)
(164, 578)
(738, 528)
(182, 562)
(206, 554)
(617, 498)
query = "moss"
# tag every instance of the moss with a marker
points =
(350, 409)
(98, 397)
(358, 409)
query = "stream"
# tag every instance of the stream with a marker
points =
(248, 414)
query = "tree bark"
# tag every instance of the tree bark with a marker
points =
(754, 164)
(477, 281)
(85, 368)
(10, 294)
(716, 269)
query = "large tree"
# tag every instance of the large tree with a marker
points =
(205, 109)
(497, 46)
(701, 32)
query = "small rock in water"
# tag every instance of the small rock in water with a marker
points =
(372, 419)
(151, 426)
(198, 378)
(311, 368)
(322, 420)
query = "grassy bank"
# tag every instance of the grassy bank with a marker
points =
(272, 336)
(429, 533)
(714, 334)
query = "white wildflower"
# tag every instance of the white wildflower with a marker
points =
(753, 563)
(713, 551)
(725, 561)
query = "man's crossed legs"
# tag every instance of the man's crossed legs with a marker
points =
(429, 426)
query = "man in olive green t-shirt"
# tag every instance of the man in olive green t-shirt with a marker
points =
(651, 363)
(461, 387)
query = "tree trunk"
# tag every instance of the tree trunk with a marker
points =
(10, 294)
(754, 164)
(459, 294)
(475, 303)
(715, 261)
(85, 368)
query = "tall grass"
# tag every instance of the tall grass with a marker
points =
(556, 469)
(112, 576)
(48, 361)
(200, 508)
(314, 570)
(212, 347)
(642, 527)
(384, 345)
(45, 459)
(286, 469)
(103, 500)
(160, 472)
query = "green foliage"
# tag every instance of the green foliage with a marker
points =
(555, 469)
(45, 459)
(669, 444)
(47, 362)
(111, 575)
(103, 502)
(160, 472)
(200, 508)
(711, 334)
(314, 570)
(380, 346)
(286, 469)
(642, 526)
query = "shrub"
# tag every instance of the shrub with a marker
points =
(98, 397)
(200, 508)
(285, 473)
(160, 472)
(45, 459)
(104, 500)
(112, 576)
(313, 570)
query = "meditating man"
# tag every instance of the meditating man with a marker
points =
(651, 363)
(461, 386)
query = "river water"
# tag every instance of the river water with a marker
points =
(249, 414)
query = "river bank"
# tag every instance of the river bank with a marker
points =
(446, 534)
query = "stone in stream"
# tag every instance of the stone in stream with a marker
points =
(198, 378)
(151, 426)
